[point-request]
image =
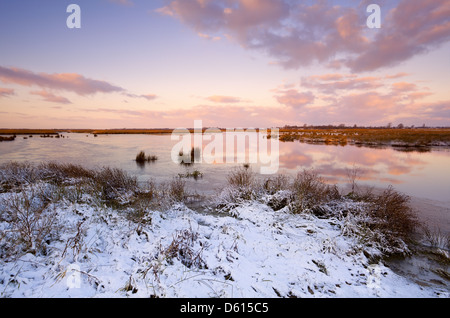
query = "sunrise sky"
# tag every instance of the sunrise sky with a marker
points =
(229, 63)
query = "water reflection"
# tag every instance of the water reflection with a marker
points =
(423, 174)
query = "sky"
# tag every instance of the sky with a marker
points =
(228, 63)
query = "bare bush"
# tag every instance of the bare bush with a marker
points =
(31, 219)
(353, 174)
(437, 239)
(16, 174)
(177, 189)
(393, 214)
(114, 183)
(309, 191)
(280, 182)
(61, 172)
(241, 177)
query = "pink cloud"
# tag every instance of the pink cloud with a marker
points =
(398, 75)
(413, 27)
(224, 116)
(330, 83)
(6, 92)
(123, 2)
(59, 81)
(224, 99)
(149, 96)
(404, 87)
(49, 97)
(298, 33)
(294, 98)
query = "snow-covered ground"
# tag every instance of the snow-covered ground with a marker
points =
(252, 252)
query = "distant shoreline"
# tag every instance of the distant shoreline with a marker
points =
(402, 139)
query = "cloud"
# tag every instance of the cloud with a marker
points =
(300, 33)
(336, 98)
(49, 97)
(294, 98)
(123, 2)
(6, 92)
(146, 96)
(58, 81)
(224, 99)
(224, 116)
(330, 83)
(404, 87)
(398, 75)
(149, 96)
(128, 112)
(413, 27)
(209, 37)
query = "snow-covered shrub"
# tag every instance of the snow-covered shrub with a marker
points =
(242, 186)
(376, 239)
(115, 184)
(393, 214)
(309, 192)
(15, 174)
(437, 239)
(29, 219)
(177, 189)
(278, 183)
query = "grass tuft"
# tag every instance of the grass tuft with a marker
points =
(141, 157)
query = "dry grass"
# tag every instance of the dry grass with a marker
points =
(29, 131)
(437, 239)
(415, 138)
(393, 214)
(382, 221)
(280, 182)
(177, 189)
(31, 220)
(141, 157)
(241, 177)
(181, 248)
(309, 192)
(11, 138)
(196, 174)
(28, 211)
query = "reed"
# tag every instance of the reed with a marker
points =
(141, 157)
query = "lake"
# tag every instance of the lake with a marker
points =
(418, 174)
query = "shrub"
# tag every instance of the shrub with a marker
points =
(241, 177)
(437, 239)
(31, 221)
(241, 186)
(392, 211)
(309, 191)
(15, 174)
(278, 183)
(176, 189)
(383, 222)
(115, 183)
(60, 172)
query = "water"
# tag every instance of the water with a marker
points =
(423, 175)
(420, 175)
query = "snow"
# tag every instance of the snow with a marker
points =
(251, 252)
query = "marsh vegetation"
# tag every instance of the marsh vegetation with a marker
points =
(65, 214)
(402, 139)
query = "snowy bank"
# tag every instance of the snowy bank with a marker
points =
(93, 249)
